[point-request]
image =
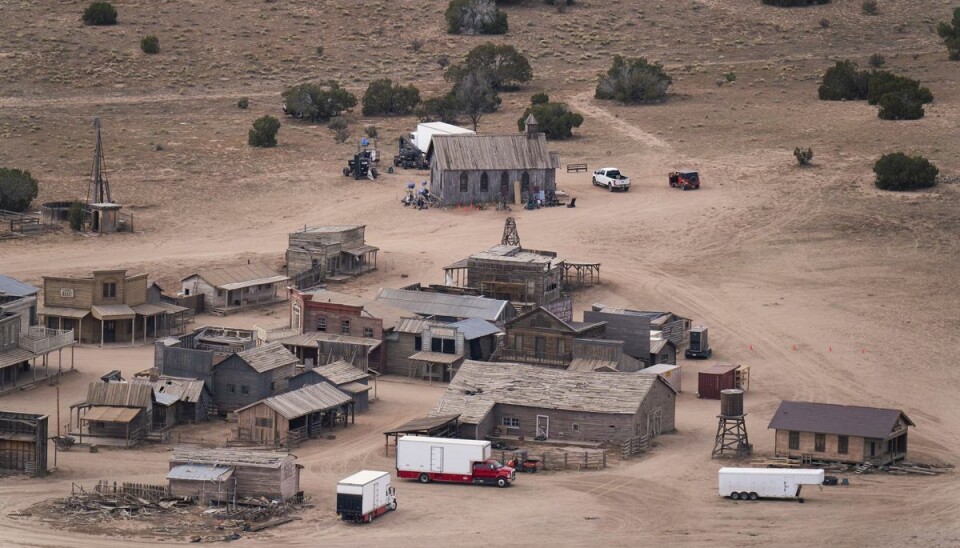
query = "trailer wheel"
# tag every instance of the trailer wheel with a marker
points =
(502, 482)
(393, 505)
(735, 496)
(744, 495)
(424, 478)
(754, 496)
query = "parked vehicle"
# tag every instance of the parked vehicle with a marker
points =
(423, 137)
(442, 459)
(699, 343)
(611, 178)
(524, 462)
(364, 496)
(685, 180)
(768, 483)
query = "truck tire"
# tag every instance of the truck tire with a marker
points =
(373, 171)
(744, 495)
(393, 505)
(424, 478)
(502, 482)
(754, 496)
(610, 187)
(735, 496)
(594, 181)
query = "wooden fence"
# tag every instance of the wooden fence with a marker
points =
(565, 458)
(634, 446)
(141, 490)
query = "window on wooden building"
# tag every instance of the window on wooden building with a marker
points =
(510, 422)
(820, 443)
(273, 386)
(368, 332)
(296, 316)
(843, 444)
(576, 427)
(418, 343)
(321, 323)
(109, 290)
(525, 182)
(794, 440)
(245, 390)
(264, 422)
(232, 388)
(464, 182)
(484, 182)
(345, 327)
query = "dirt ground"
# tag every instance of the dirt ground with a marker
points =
(829, 289)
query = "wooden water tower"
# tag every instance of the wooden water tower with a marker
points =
(732, 426)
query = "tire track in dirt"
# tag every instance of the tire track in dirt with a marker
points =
(582, 102)
(28, 102)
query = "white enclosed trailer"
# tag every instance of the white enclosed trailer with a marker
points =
(769, 483)
(365, 495)
(425, 132)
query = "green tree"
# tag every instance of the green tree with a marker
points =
(264, 132)
(75, 216)
(317, 102)
(505, 67)
(445, 108)
(793, 3)
(899, 106)
(555, 119)
(882, 82)
(898, 171)
(383, 97)
(633, 81)
(951, 35)
(100, 13)
(539, 99)
(476, 96)
(844, 82)
(18, 189)
(475, 17)
(150, 44)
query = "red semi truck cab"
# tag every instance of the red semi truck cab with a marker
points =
(442, 459)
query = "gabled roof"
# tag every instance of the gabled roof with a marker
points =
(389, 314)
(425, 303)
(267, 357)
(415, 325)
(120, 394)
(235, 277)
(174, 389)
(200, 472)
(478, 386)
(474, 328)
(226, 456)
(15, 288)
(341, 372)
(845, 420)
(303, 401)
(572, 327)
(493, 152)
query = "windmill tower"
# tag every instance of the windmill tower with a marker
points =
(510, 235)
(104, 213)
(732, 426)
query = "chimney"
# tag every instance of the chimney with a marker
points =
(532, 127)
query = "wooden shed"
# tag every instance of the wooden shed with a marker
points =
(227, 290)
(345, 376)
(669, 372)
(255, 473)
(115, 411)
(716, 379)
(249, 376)
(295, 416)
(23, 443)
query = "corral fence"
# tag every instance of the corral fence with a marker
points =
(634, 446)
(576, 168)
(140, 490)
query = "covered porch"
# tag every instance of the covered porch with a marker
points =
(117, 323)
(358, 259)
(18, 365)
(62, 318)
(435, 366)
(108, 425)
(160, 319)
(233, 297)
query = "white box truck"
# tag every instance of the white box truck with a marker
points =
(443, 459)
(364, 496)
(768, 483)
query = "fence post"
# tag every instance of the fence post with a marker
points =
(604, 458)
(565, 455)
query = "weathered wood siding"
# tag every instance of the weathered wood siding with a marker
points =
(856, 447)
(446, 184)
(398, 354)
(589, 426)
(660, 397)
(275, 430)
(204, 491)
(634, 331)
(234, 372)
(667, 354)
(538, 286)
(195, 285)
(185, 362)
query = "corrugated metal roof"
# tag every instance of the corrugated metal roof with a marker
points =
(267, 357)
(311, 340)
(474, 328)
(199, 472)
(120, 394)
(389, 314)
(341, 372)
(720, 369)
(15, 288)
(358, 250)
(235, 277)
(306, 400)
(443, 304)
(113, 312)
(473, 152)
(415, 325)
(845, 420)
(328, 228)
(181, 389)
(480, 385)
(423, 424)
(229, 457)
(64, 312)
(111, 414)
(148, 309)
(436, 357)
(355, 388)
(15, 355)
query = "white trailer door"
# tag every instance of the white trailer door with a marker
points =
(543, 426)
(436, 459)
(377, 495)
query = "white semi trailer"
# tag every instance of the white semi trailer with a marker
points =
(767, 483)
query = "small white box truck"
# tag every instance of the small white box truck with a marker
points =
(443, 459)
(768, 483)
(364, 496)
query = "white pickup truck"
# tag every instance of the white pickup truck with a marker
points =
(611, 178)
